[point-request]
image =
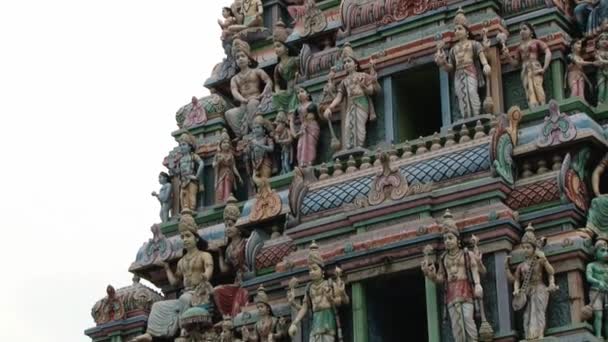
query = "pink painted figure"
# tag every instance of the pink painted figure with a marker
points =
(308, 133)
(576, 75)
(197, 114)
(226, 172)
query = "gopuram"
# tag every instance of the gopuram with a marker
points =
(384, 171)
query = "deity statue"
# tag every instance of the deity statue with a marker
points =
(532, 72)
(464, 60)
(459, 272)
(224, 164)
(253, 14)
(229, 20)
(259, 149)
(322, 297)
(245, 88)
(576, 75)
(529, 289)
(590, 15)
(597, 217)
(597, 277)
(230, 298)
(164, 196)
(357, 89)
(196, 114)
(190, 172)
(282, 136)
(267, 328)
(111, 308)
(194, 269)
(309, 130)
(601, 61)
(227, 334)
(285, 72)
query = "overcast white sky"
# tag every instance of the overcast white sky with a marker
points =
(88, 94)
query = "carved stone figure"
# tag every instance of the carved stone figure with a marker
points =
(532, 72)
(194, 270)
(459, 272)
(597, 217)
(231, 297)
(252, 12)
(267, 203)
(466, 59)
(267, 328)
(308, 131)
(601, 61)
(282, 136)
(529, 290)
(576, 75)
(597, 277)
(259, 149)
(226, 172)
(590, 15)
(285, 72)
(322, 297)
(111, 308)
(164, 196)
(190, 172)
(229, 20)
(245, 88)
(227, 334)
(196, 115)
(356, 89)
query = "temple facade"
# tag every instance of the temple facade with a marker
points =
(384, 170)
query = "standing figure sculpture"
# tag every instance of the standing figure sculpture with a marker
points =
(245, 88)
(532, 72)
(190, 172)
(576, 73)
(357, 89)
(309, 130)
(230, 298)
(164, 196)
(267, 328)
(195, 268)
(601, 61)
(282, 136)
(322, 297)
(227, 334)
(466, 58)
(459, 272)
(224, 164)
(597, 277)
(529, 289)
(259, 149)
(590, 15)
(597, 217)
(285, 72)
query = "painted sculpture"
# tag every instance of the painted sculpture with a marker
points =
(246, 89)
(226, 173)
(228, 331)
(576, 78)
(228, 21)
(356, 90)
(469, 64)
(532, 72)
(164, 196)
(259, 149)
(267, 328)
(194, 270)
(190, 172)
(250, 15)
(308, 131)
(601, 61)
(597, 277)
(529, 290)
(322, 297)
(231, 297)
(590, 15)
(283, 137)
(458, 269)
(597, 217)
(285, 72)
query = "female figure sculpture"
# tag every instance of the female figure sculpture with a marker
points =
(225, 169)
(285, 72)
(282, 136)
(529, 289)
(532, 72)
(308, 133)
(357, 89)
(268, 328)
(576, 74)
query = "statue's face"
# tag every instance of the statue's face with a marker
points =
(578, 46)
(231, 230)
(302, 95)
(315, 272)
(460, 32)
(225, 13)
(184, 147)
(524, 31)
(162, 179)
(349, 64)
(262, 309)
(188, 239)
(280, 49)
(528, 249)
(258, 130)
(450, 241)
(225, 145)
(603, 41)
(601, 253)
(242, 60)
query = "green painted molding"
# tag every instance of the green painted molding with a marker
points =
(324, 235)
(359, 308)
(432, 311)
(557, 75)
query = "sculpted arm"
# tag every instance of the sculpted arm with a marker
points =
(224, 267)
(173, 278)
(208, 260)
(517, 281)
(234, 89)
(484, 62)
(547, 51)
(201, 166)
(266, 79)
(591, 278)
(165, 193)
(475, 275)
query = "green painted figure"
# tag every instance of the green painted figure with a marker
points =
(597, 277)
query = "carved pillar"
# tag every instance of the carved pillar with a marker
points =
(359, 307)
(432, 311)
(576, 294)
(389, 120)
(557, 78)
(446, 111)
(496, 79)
(503, 300)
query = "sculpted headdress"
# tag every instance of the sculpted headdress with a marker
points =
(529, 236)
(461, 19)
(239, 45)
(448, 224)
(188, 139)
(314, 255)
(187, 224)
(231, 211)
(261, 296)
